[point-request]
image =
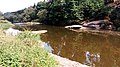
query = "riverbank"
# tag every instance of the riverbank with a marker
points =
(24, 50)
(98, 32)
(64, 62)
(10, 40)
(30, 43)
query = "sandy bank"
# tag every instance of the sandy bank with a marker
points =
(64, 62)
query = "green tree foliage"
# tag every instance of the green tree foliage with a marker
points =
(90, 8)
(42, 15)
(115, 17)
(41, 11)
(25, 15)
(60, 12)
(63, 12)
(56, 13)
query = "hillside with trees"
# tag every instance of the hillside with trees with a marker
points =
(65, 12)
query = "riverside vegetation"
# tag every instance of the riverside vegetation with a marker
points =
(66, 12)
(23, 50)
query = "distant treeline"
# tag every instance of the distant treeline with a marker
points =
(64, 12)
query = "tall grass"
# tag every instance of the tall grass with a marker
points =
(24, 51)
(5, 24)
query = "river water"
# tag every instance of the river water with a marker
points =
(73, 45)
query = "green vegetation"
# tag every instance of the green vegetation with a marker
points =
(115, 18)
(23, 50)
(58, 12)
(65, 12)
(4, 24)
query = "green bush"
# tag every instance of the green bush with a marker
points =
(5, 25)
(20, 55)
(24, 51)
(28, 35)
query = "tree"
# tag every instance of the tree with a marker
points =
(42, 15)
(115, 17)
(88, 8)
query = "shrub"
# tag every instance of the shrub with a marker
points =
(29, 35)
(20, 55)
(24, 51)
(5, 24)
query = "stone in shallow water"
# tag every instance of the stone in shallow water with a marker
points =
(46, 46)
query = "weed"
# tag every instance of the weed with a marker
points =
(24, 51)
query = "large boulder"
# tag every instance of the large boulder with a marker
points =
(100, 24)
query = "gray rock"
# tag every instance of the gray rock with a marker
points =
(47, 47)
(12, 32)
(100, 24)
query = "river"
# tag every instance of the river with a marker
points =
(73, 45)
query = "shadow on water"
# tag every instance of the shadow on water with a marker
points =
(73, 45)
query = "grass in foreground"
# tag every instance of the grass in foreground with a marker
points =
(23, 51)
(4, 24)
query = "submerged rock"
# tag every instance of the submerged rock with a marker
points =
(46, 46)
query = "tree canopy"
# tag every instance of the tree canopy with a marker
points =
(64, 12)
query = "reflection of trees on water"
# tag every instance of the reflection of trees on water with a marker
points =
(63, 43)
(73, 46)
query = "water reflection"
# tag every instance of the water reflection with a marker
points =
(72, 45)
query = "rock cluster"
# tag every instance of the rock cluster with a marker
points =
(93, 25)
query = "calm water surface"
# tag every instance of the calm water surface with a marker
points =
(72, 45)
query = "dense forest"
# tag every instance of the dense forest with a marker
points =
(65, 12)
